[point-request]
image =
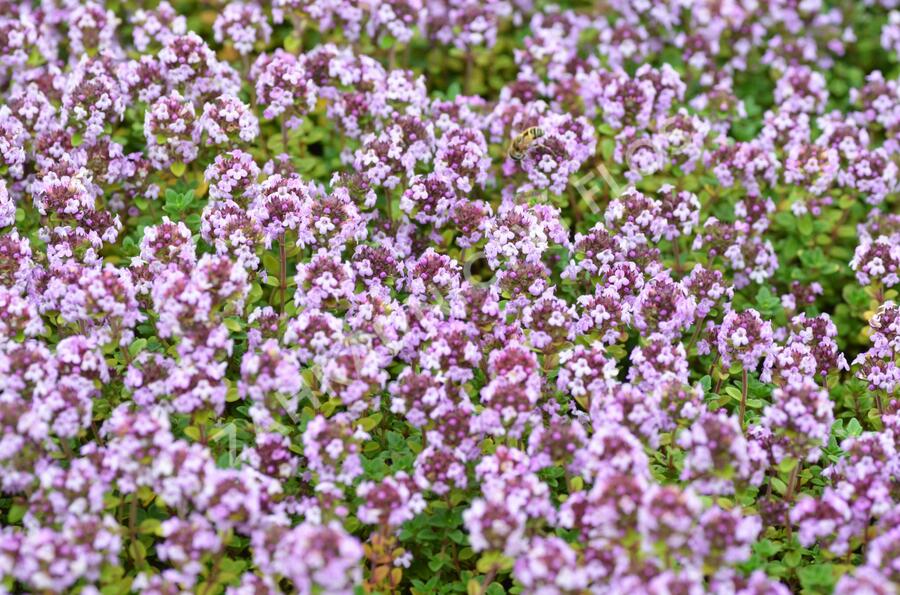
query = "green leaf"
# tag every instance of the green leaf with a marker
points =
(137, 346)
(178, 168)
(490, 560)
(15, 514)
(234, 324)
(272, 264)
(137, 550)
(854, 428)
(787, 465)
(233, 566)
(35, 58)
(386, 42)
(812, 259)
(255, 293)
(371, 422)
(767, 304)
(856, 296)
(151, 526)
(436, 563)
(607, 148)
(786, 220)
(793, 558)
(837, 429)
(487, 561)
(767, 548)
(292, 44)
(817, 577)
(733, 392)
(779, 486)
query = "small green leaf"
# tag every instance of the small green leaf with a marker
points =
(793, 558)
(151, 526)
(16, 512)
(577, 483)
(255, 293)
(234, 324)
(137, 346)
(292, 43)
(137, 550)
(272, 264)
(487, 561)
(779, 486)
(178, 168)
(436, 563)
(786, 220)
(386, 42)
(767, 548)
(371, 422)
(817, 577)
(733, 392)
(787, 465)
(607, 148)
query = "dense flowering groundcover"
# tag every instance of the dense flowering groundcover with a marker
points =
(449, 296)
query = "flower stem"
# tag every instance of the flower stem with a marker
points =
(743, 409)
(676, 255)
(67, 448)
(132, 526)
(789, 497)
(132, 517)
(213, 573)
(282, 271)
(392, 57)
(697, 330)
(488, 579)
(470, 67)
(573, 208)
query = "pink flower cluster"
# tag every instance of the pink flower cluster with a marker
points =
(282, 317)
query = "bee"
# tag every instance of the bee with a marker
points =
(523, 141)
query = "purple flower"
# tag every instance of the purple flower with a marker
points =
(744, 337)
